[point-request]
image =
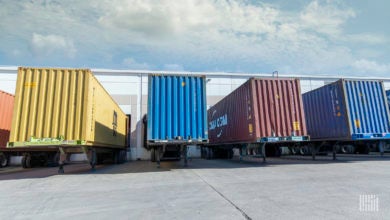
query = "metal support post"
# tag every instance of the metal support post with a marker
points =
(263, 152)
(185, 156)
(158, 156)
(61, 160)
(313, 151)
(381, 147)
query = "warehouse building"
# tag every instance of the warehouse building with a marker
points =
(129, 88)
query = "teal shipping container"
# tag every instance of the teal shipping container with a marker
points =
(177, 110)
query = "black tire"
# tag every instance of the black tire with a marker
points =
(24, 161)
(4, 160)
(352, 149)
(294, 150)
(348, 149)
(303, 151)
(344, 149)
(27, 161)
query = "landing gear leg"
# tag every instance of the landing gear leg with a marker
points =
(91, 156)
(185, 156)
(381, 147)
(158, 156)
(61, 160)
(263, 152)
(334, 151)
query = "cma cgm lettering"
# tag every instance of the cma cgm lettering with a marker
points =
(218, 122)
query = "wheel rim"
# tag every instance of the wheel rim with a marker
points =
(4, 161)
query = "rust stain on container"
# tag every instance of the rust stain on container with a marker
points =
(6, 109)
(71, 103)
(258, 108)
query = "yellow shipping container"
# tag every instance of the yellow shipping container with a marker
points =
(66, 107)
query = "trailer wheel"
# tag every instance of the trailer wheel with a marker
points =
(294, 150)
(348, 149)
(26, 161)
(304, 150)
(4, 160)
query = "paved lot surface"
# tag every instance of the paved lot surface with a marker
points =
(281, 189)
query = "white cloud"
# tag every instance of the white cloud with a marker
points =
(237, 33)
(371, 67)
(133, 64)
(173, 67)
(326, 18)
(366, 38)
(49, 45)
(202, 35)
(165, 17)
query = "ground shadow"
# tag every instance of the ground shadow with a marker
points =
(14, 173)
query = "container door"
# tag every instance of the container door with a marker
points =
(326, 114)
(367, 108)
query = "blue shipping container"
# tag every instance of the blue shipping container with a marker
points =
(388, 97)
(177, 110)
(347, 110)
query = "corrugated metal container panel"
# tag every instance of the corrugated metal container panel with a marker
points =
(348, 109)
(50, 103)
(259, 108)
(326, 115)
(6, 109)
(176, 108)
(388, 97)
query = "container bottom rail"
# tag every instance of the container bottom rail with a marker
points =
(265, 146)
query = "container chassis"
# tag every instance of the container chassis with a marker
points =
(303, 145)
(56, 151)
(259, 149)
(171, 149)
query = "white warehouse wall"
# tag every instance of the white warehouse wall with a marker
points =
(130, 89)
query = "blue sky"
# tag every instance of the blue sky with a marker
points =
(333, 37)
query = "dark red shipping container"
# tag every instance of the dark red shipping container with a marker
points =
(257, 111)
(6, 110)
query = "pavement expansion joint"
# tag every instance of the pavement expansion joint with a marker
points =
(224, 197)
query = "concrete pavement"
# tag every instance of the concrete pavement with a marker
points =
(207, 189)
